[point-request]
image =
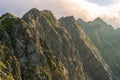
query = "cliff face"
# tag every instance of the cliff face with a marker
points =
(59, 40)
(30, 55)
(93, 64)
(39, 47)
(107, 40)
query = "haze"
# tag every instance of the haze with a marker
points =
(108, 10)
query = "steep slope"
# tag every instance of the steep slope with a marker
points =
(106, 39)
(39, 47)
(58, 38)
(25, 55)
(92, 62)
(9, 64)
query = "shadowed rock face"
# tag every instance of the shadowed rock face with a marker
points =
(107, 40)
(92, 62)
(39, 47)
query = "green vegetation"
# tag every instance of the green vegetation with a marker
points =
(107, 40)
(64, 54)
(6, 24)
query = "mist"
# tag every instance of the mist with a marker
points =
(85, 9)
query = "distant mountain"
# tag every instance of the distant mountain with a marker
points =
(39, 47)
(107, 40)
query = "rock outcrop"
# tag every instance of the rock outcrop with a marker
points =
(88, 53)
(107, 40)
(39, 47)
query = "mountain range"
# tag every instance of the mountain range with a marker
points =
(40, 47)
(107, 40)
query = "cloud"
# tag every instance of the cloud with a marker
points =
(19, 7)
(89, 11)
(79, 8)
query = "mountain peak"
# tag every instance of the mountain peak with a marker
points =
(35, 13)
(7, 15)
(81, 20)
(68, 18)
(32, 13)
(42, 48)
(98, 19)
(46, 12)
(33, 10)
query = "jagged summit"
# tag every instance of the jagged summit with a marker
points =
(78, 35)
(32, 13)
(107, 40)
(7, 15)
(37, 11)
(40, 47)
(34, 10)
(101, 23)
(98, 19)
(36, 15)
(80, 20)
(47, 12)
(68, 19)
(6, 20)
(96, 23)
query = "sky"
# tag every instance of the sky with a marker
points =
(88, 10)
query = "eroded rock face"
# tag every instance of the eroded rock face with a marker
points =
(107, 40)
(92, 62)
(35, 60)
(59, 40)
(39, 47)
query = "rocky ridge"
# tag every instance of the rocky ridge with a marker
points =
(39, 47)
(107, 40)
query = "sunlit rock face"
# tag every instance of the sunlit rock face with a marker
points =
(39, 47)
